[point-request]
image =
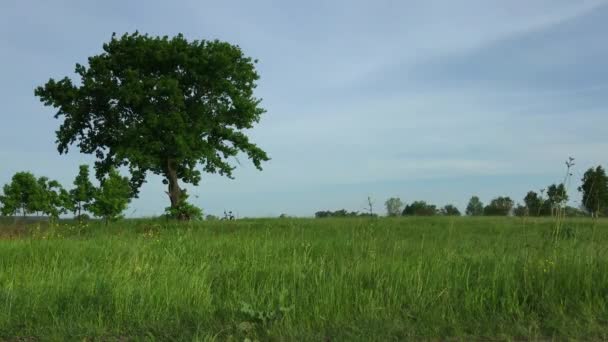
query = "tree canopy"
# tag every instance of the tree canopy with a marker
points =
(112, 197)
(449, 210)
(393, 206)
(83, 192)
(420, 208)
(475, 207)
(595, 190)
(163, 105)
(499, 206)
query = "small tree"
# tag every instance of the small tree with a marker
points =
(112, 198)
(475, 207)
(393, 206)
(20, 195)
(534, 204)
(450, 210)
(82, 194)
(557, 197)
(500, 206)
(52, 199)
(595, 191)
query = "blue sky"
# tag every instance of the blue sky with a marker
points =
(431, 100)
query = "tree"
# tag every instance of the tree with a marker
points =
(420, 208)
(393, 206)
(556, 197)
(595, 190)
(534, 203)
(82, 194)
(521, 210)
(50, 198)
(499, 206)
(112, 197)
(160, 105)
(475, 207)
(450, 210)
(20, 194)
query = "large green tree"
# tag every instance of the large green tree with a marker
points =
(163, 105)
(595, 190)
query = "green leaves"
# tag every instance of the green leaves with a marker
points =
(184, 210)
(499, 206)
(475, 207)
(393, 206)
(112, 197)
(595, 190)
(419, 208)
(82, 195)
(147, 100)
(26, 194)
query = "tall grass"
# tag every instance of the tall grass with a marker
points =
(305, 279)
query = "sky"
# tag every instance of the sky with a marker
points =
(422, 100)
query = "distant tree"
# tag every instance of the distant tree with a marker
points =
(337, 213)
(534, 203)
(393, 206)
(83, 192)
(20, 195)
(112, 197)
(160, 105)
(211, 218)
(323, 214)
(420, 208)
(521, 210)
(556, 197)
(475, 207)
(499, 206)
(595, 191)
(450, 210)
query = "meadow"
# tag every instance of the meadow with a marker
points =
(351, 279)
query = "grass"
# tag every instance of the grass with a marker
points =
(306, 279)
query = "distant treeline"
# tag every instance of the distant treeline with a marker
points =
(342, 213)
(549, 201)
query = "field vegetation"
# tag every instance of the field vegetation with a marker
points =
(332, 279)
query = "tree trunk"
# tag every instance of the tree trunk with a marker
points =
(174, 191)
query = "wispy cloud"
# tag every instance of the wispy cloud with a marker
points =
(428, 99)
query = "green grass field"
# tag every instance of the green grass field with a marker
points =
(306, 280)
